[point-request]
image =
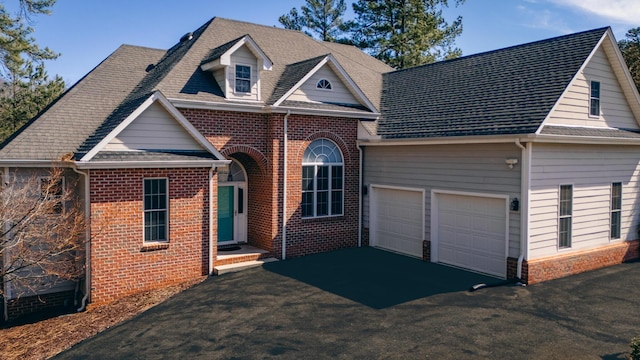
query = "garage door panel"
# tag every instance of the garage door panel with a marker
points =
(398, 220)
(471, 232)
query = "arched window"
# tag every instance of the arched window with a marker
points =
(323, 84)
(322, 179)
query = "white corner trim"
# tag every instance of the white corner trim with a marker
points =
(166, 104)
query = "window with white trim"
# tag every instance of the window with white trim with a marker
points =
(243, 78)
(565, 214)
(156, 210)
(616, 207)
(322, 180)
(594, 98)
(324, 84)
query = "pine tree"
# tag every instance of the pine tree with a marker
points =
(630, 48)
(320, 17)
(405, 33)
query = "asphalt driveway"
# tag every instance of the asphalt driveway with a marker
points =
(369, 304)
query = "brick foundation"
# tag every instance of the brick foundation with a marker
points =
(426, 250)
(549, 268)
(32, 304)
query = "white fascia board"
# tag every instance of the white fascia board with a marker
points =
(222, 106)
(566, 89)
(454, 140)
(123, 125)
(351, 85)
(225, 59)
(195, 134)
(627, 84)
(322, 112)
(151, 164)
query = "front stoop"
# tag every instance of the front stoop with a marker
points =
(238, 260)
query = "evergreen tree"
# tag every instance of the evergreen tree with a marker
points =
(320, 17)
(405, 33)
(630, 48)
(26, 88)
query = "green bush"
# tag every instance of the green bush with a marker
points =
(635, 348)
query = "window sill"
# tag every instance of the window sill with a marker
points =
(154, 247)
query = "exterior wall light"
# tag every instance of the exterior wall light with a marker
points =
(511, 162)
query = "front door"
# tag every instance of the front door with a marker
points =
(226, 210)
(232, 205)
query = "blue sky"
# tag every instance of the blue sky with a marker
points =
(86, 31)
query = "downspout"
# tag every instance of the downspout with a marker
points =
(359, 195)
(211, 219)
(284, 187)
(87, 260)
(525, 180)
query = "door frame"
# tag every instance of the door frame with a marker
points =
(240, 220)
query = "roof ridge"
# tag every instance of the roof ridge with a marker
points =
(260, 25)
(536, 42)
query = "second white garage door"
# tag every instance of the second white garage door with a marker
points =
(397, 219)
(470, 232)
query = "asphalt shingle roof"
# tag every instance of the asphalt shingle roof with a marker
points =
(590, 132)
(155, 155)
(507, 91)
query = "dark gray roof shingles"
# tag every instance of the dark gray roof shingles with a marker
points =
(507, 91)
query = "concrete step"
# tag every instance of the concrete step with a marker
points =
(224, 269)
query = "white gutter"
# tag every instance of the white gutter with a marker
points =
(211, 219)
(284, 189)
(443, 141)
(149, 164)
(360, 156)
(262, 108)
(87, 251)
(525, 181)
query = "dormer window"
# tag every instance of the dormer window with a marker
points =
(243, 78)
(324, 84)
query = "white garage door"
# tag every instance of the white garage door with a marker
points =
(396, 220)
(471, 232)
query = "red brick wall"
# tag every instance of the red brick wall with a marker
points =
(32, 304)
(256, 141)
(120, 262)
(539, 270)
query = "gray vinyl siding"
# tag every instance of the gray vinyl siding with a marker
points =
(154, 129)
(469, 168)
(573, 107)
(309, 93)
(591, 170)
(48, 286)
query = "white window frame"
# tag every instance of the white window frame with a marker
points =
(615, 210)
(166, 210)
(562, 216)
(326, 81)
(594, 98)
(235, 78)
(330, 190)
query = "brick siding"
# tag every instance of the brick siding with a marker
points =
(31, 304)
(121, 264)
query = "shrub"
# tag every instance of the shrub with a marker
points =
(635, 348)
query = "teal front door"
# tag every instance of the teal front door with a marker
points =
(225, 214)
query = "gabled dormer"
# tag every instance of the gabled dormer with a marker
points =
(320, 81)
(236, 67)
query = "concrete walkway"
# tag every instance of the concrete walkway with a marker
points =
(370, 304)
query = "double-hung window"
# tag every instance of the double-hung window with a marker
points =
(243, 78)
(594, 99)
(156, 219)
(322, 180)
(616, 207)
(565, 214)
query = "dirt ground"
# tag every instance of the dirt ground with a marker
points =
(46, 338)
